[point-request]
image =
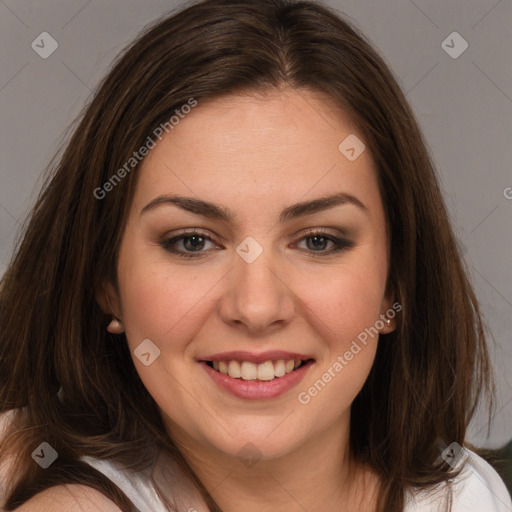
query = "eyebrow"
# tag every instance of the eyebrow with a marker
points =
(218, 212)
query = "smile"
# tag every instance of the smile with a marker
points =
(266, 371)
(260, 379)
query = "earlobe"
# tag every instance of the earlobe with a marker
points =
(115, 326)
(385, 324)
(387, 316)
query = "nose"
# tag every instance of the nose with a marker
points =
(258, 296)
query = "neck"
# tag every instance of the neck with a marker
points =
(318, 475)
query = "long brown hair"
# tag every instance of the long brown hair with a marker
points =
(425, 382)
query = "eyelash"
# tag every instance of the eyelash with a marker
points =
(340, 244)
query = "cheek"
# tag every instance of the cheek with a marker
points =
(163, 304)
(345, 314)
(347, 303)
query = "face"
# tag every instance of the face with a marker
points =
(237, 279)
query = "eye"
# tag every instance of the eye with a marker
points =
(320, 239)
(193, 241)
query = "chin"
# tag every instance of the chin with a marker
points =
(260, 445)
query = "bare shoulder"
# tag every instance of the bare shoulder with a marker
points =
(69, 498)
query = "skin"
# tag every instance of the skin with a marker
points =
(63, 498)
(256, 154)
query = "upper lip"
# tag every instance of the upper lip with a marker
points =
(256, 358)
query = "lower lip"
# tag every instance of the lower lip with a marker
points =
(257, 389)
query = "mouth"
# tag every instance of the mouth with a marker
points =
(266, 371)
(257, 376)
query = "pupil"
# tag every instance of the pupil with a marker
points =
(198, 241)
(316, 239)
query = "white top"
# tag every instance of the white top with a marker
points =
(142, 494)
(478, 488)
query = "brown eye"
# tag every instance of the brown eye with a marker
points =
(193, 242)
(317, 242)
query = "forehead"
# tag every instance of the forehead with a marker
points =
(263, 146)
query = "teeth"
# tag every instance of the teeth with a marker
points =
(249, 371)
(279, 368)
(223, 367)
(234, 369)
(266, 371)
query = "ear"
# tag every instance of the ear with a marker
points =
(389, 310)
(107, 299)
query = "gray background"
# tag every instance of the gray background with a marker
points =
(463, 104)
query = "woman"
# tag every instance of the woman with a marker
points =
(240, 290)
